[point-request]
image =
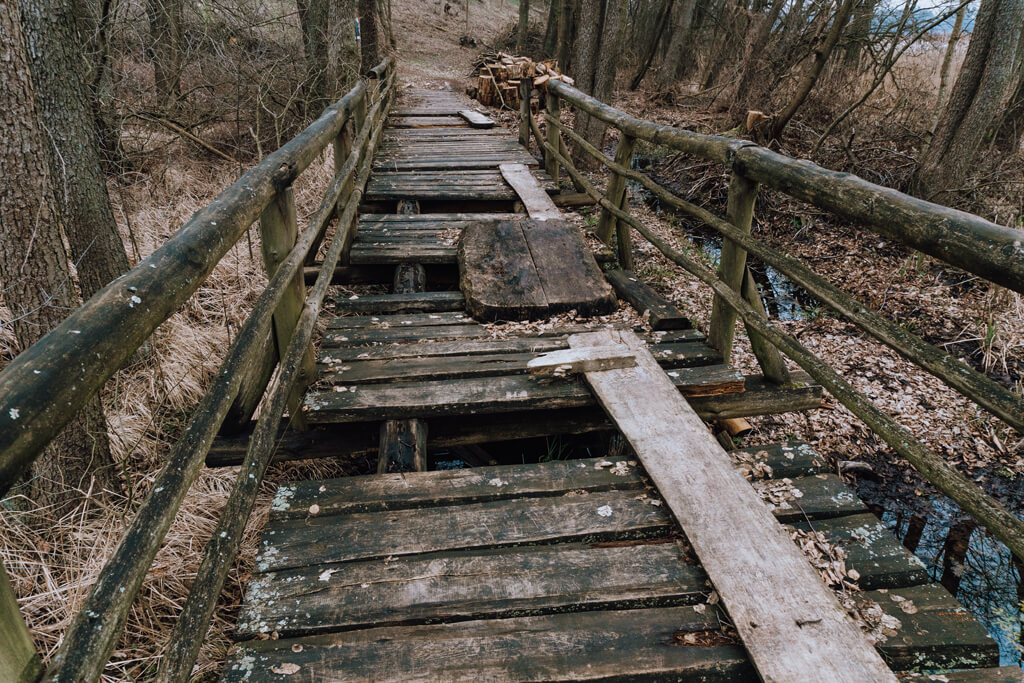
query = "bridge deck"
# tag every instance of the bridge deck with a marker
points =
(560, 570)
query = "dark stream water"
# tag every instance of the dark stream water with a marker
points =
(972, 565)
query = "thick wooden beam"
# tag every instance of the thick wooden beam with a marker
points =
(740, 213)
(616, 193)
(525, 88)
(663, 313)
(554, 110)
(790, 622)
(19, 662)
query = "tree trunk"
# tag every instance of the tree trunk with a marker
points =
(947, 62)
(524, 25)
(94, 23)
(682, 19)
(369, 33)
(551, 33)
(747, 94)
(652, 46)
(34, 268)
(584, 58)
(166, 33)
(76, 171)
(976, 100)
(314, 17)
(342, 51)
(609, 54)
(859, 33)
(565, 26)
(821, 56)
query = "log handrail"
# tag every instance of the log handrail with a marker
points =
(991, 251)
(943, 230)
(45, 385)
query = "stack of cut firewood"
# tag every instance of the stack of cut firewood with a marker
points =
(499, 75)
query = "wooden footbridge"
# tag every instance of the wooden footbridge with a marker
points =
(666, 557)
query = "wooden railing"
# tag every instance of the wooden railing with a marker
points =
(990, 251)
(47, 384)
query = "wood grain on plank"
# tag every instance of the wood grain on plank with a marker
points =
(587, 517)
(534, 197)
(469, 585)
(664, 315)
(583, 646)
(790, 623)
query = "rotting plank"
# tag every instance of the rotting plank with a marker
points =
(567, 269)
(375, 335)
(437, 185)
(790, 623)
(936, 631)
(664, 315)
(536, 200)
(586, 517)
(469, 585)
(597, 646)
(398, 320)
(355, 403)
(871, 550)
(475, 119)
(375, 493)
(381, 304)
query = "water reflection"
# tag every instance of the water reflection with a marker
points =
(975, 567)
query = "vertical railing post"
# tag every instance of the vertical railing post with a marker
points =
(554, 110)
(342, 151)
(19, 662)
(525, 88)
(732, 269)
(616, 195)
(279, 229)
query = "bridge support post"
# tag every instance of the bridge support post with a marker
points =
(550, 160)
(616, 194)
(279, 229)
(525, 88)
(732, 269)
(19, 661)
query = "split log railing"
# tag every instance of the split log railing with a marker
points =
(47, 384)
(992, 252)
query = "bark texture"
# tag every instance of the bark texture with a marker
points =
(524, 24)
(343, 51)
(66, 114)
(682, 21)
(609, 54)
(976, 101)
(369, 33)
(166, 35)
(34, 268)
(947, 62)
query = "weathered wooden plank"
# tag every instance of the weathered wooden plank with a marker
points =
(425, 302)
(790, 459)
(1002, 674)
(533, 196)
(440, 221)
(398, 320)
(936, 631)
(460, 161)
(357, 403)
(475, 119)
(376, 335)
(587, 517)
(497, 273)
(588, 646)
(376, 493)
(466, 184)
(405, 252)
(663, 313)
(871, 550)
(425, 121)
(572, 361)
(476, 585)
(566, 266)
(791, 624)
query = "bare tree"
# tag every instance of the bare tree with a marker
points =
(746, 94)
(947, 62)
(369, 33)
(34, 268)
(810, 77)
(524, 24)
(609, 55)
(342, 52)
(166, 35)
(682, 19)
(66, 111)
(977, 99)
(551, 32)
